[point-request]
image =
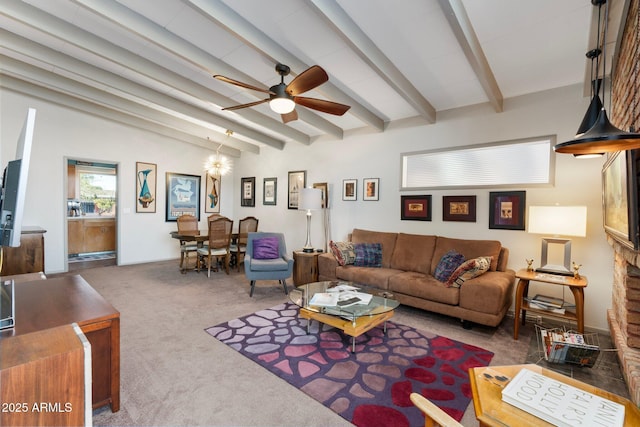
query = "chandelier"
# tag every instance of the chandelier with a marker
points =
(218, 164)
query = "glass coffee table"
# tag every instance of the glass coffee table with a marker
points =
(354, 320)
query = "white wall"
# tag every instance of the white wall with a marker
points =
(377, 155)
(61, 133)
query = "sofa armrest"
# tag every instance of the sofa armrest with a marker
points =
(327, 265)
(503, 259)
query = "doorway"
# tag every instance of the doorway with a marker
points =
(91, 214)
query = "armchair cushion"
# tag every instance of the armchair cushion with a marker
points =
(266, 248)
(278, 264)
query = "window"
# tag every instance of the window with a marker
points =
(97, 190)
(527, 162)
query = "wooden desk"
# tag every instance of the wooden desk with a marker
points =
(28, 257)
(44, 304)
(522, 291)
(492, 411)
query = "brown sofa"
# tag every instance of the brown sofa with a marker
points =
(408, 265)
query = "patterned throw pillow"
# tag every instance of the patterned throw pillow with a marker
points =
(266, 248)
(368, 254)
(468, 270)
(343, 252)
(447, 265)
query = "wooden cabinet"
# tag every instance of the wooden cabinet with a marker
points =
(91, 235)
(44, 380)
(305, 267)
(28, 257)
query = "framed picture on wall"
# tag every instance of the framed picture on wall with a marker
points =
(459, 208)
(248, 188)
(370, 188)
(620, 197)
(297, 181)
(349, 189)
(270, 191)
(146, 187)
(415, 208)
(212, 190)
(183, 195)
(324, 187)
(507, 210)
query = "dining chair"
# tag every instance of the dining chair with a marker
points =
(433, 415)
(266, 258)
(218, 246)
(187, 224)
(245, 226)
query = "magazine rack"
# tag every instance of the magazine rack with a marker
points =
(558, 345)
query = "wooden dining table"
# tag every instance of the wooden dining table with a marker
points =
(199, 237)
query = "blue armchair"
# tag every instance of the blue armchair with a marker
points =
(277, 268)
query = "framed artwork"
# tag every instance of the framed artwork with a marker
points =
(270, 191)
(349, 189)
(297, 181)
(415, 208)
(324, 187)
(248, 188)
(507, 210)
(146, 187)
(459, 208)
(620, 197)
(183, 195)
(370, 187)
(212, 190)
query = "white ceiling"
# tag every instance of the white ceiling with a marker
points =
(150, 63)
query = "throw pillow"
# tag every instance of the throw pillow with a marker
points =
(266, 248)
(343, 252)
(447, 265)
(468, 270)
(368, 254)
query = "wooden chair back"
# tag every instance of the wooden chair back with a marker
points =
(220, 233)
(187, 224)
(245, 226)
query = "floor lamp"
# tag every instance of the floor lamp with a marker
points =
(310, 199)
(557, 221)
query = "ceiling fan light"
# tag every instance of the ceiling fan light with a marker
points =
(603, 137)
(282, 105)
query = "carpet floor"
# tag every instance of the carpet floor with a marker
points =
(371, 387)
(171, 376)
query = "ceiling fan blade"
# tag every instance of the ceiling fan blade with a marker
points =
(251, 104)
(289, 117)
(322, 105)
(310, 78)
(241, 84)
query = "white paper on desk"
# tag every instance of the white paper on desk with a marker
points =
(364, 298)
(324, 299)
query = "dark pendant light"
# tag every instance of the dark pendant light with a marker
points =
(602, 137)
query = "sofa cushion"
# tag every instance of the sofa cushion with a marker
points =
(368, 254)
(266, 248)
(468, 270)
(469, 248)
(447, 265)
(423, 286)
(488, 293)
(343, 251)
(413, 252)
(374, 277)
(387, 240)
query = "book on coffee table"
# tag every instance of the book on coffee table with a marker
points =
(560, 404)
(324, 299)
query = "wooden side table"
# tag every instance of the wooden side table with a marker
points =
(305, 267)
(522, 290)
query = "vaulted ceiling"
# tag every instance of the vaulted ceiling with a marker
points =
(396, 63)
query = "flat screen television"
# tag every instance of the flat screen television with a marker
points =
(14, 186)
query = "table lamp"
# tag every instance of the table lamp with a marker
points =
(310, 199)
(557, 221)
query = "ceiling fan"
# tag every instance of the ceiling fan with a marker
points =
(284, 97)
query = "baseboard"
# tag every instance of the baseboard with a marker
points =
(535, 318)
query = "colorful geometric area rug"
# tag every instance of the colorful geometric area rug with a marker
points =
(370, 387)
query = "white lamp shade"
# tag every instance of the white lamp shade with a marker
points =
(282, 105)
(310, 199)
(558, 220)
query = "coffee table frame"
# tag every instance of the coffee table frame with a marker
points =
(352, 324)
